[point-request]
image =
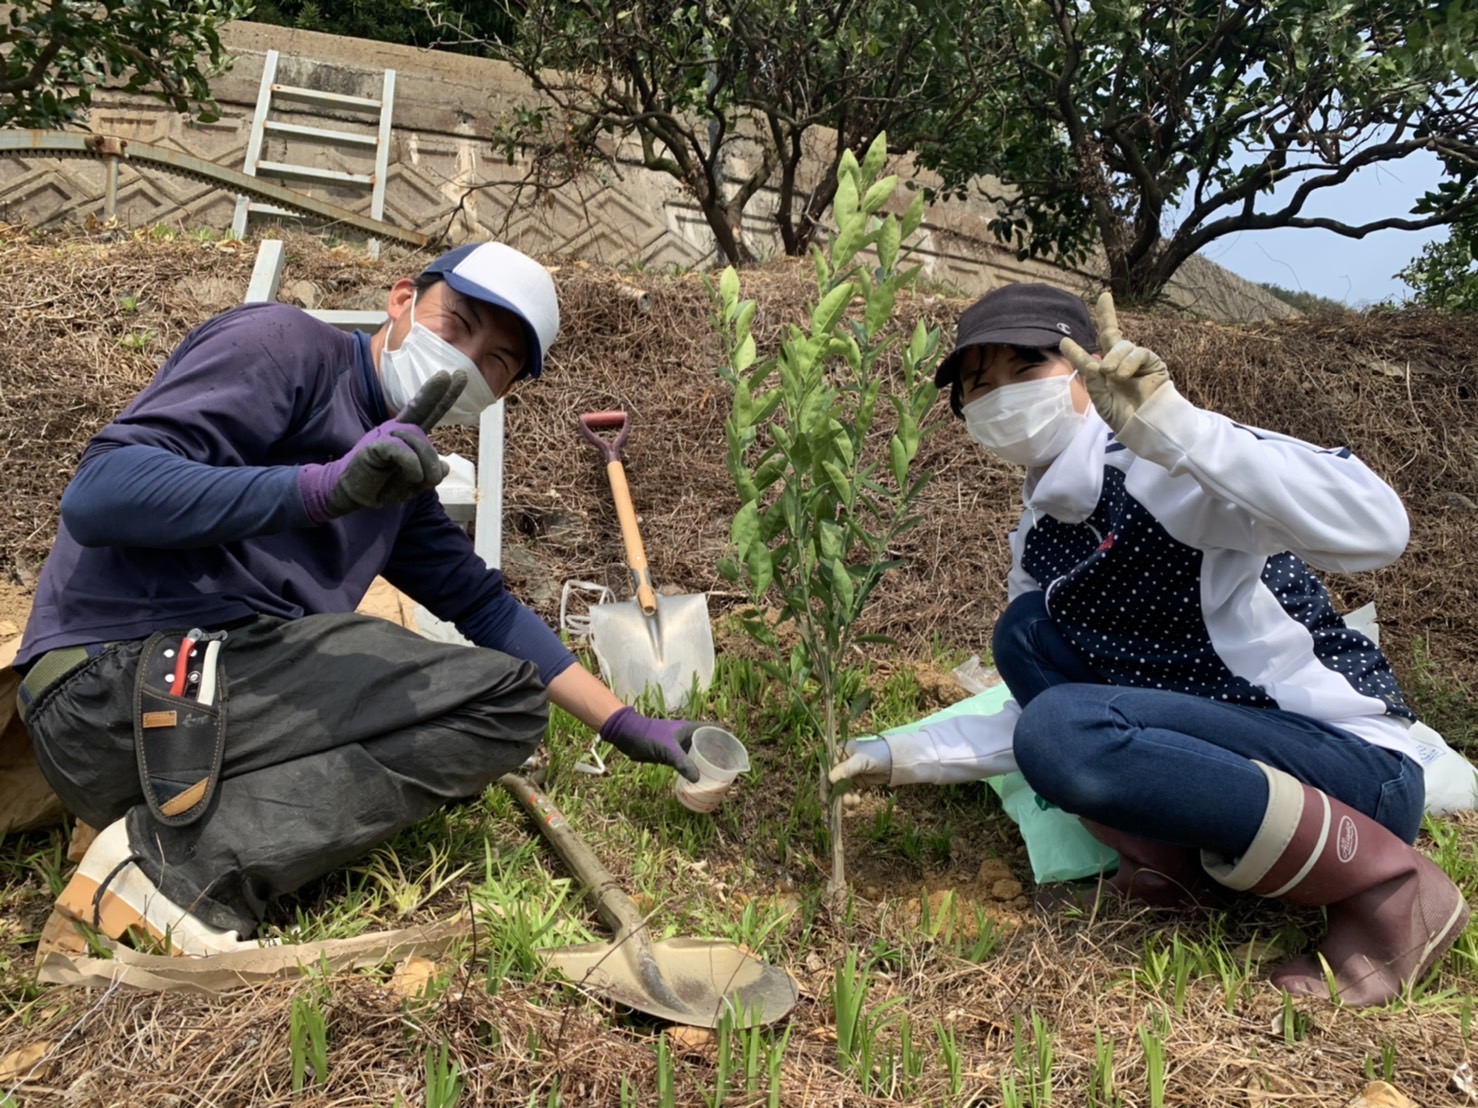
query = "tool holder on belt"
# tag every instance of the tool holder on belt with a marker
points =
(179, 721)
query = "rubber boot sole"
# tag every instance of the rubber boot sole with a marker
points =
(1304, 975)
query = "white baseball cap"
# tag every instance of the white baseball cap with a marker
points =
(500, 275)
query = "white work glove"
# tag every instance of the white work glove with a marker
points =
(868, 763)
(1122, 380)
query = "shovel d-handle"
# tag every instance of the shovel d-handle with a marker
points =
(591, 423)
(616, 909)
(610, 449)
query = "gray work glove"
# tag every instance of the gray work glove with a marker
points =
(1121, 381)
(868, 763)
(391, 464)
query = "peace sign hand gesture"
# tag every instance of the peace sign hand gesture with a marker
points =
(391, 464)
(1121, 381)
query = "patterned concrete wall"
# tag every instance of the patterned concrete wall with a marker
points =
(445, 176)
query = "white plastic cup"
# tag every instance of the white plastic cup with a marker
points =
(719, 758)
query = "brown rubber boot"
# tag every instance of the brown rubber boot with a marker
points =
(1157, 873)
(1392, 912)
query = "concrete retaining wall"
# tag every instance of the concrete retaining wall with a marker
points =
(445, 177)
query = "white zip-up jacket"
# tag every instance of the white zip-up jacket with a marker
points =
(1177, 556)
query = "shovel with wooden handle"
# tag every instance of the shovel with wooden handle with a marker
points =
(651, 641)
(689, 981)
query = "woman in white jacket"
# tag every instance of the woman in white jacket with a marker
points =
(1181, 681)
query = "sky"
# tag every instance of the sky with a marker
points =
(1355, 271)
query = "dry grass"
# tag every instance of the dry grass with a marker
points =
(88, 320)
(1400, 389)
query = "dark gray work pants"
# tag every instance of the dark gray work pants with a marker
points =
(341, 730)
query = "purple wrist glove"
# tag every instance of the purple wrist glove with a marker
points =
(663, 741)
(391, 464)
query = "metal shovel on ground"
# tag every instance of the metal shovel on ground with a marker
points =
(651, 640)
(689, 981)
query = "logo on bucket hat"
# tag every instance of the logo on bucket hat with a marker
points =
(498, 274)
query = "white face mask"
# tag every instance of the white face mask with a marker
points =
(1028, 423)
(421, 356)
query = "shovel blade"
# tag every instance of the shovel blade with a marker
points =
(664, 651)
(700, 980)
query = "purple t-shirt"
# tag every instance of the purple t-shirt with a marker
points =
(185, 510)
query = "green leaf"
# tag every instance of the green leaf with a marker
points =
(847, 169)
(847, 242)
(826, 314)
(743, 320)
(876, 156)
(841, 585)
(744, 532)
(878, 194)
(744, 354)
(839, 481)
(728, 286)
(879, 308)
(829, 539)
(913, 215)
(844, 205)
(919, 343)
(761, 570)
(887, 243)
(822, 267)
(767, 405)
(898, 459)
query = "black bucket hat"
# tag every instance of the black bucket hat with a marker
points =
(1039, 316)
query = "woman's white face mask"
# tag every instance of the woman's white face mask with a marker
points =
(1028, 423)
(421, 356)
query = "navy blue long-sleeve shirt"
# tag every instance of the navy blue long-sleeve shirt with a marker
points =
(186, 510)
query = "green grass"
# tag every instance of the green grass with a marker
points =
(1442, 702)
(905, 998)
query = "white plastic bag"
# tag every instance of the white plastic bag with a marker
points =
(1452, 781)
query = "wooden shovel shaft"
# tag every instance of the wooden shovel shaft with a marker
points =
(616, 909)
(636, 554)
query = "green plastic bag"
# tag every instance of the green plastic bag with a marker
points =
(1059, 847)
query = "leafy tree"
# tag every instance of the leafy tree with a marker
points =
(726, 95)
(1444, 276)
(1307, 302)
(397, 21)
(1151, 128)
(53, 53)
(823, 498)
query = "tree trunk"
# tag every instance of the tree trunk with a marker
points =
(817, 205)
(1142, 280)
(728, 232)
(836, 887)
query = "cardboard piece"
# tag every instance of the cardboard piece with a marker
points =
(26, 800)
(387, 602)
(240, 969)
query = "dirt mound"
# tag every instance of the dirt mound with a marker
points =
(90, 317)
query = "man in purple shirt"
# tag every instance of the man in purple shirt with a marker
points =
(197, 683)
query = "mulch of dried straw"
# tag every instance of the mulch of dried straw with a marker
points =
(87, 323)
(88, 320)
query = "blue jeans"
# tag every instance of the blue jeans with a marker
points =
(1171, 766)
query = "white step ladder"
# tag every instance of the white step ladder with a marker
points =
(374, 137)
